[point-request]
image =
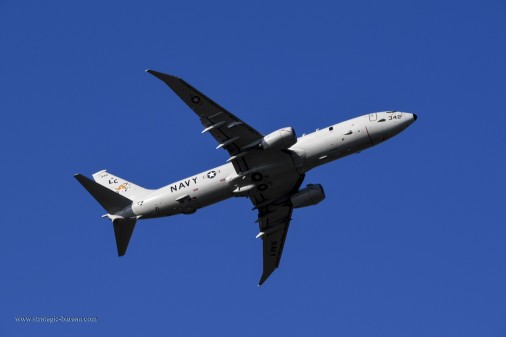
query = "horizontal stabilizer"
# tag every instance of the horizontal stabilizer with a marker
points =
(111, 201)
(123, 229)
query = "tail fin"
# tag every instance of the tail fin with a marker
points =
(119, 185)
(112, 202)
(123, 229)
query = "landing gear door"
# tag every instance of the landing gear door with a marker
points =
(186, 204)
(373, 117)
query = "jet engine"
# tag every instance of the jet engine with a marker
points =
(279, 140)
(308, 196)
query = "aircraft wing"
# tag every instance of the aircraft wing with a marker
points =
(274, 216)
(275, 226)
(230, 132)
(272, 197)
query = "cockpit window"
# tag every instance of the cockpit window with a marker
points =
(382, 120)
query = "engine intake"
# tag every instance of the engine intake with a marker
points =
(312, 194)
(279, 140)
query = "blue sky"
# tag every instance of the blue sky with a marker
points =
(411, 240)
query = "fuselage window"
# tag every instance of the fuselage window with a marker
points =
(331, 128)
(382, 120)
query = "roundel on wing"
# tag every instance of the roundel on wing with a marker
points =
(262, 187)
(257, 176)
(211, 174)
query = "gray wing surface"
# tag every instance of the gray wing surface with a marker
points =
(274, 216)
(277, 222)
(230, 132)
(241, 140)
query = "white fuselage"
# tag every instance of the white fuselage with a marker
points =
(311, 150)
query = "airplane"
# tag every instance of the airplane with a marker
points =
(269, 170)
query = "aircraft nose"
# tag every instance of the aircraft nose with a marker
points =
(415, 117)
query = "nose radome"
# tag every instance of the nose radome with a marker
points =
(415, 117)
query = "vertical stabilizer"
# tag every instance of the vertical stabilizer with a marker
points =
(112, 202)
(117, 207)
(119, 185)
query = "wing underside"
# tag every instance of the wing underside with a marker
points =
(231, 133)
(273, 230)
(263, 175)
(274, 216)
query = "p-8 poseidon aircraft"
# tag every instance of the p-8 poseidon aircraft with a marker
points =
(269, 170)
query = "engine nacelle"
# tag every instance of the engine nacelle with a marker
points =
(279, 140)
(308, 196)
